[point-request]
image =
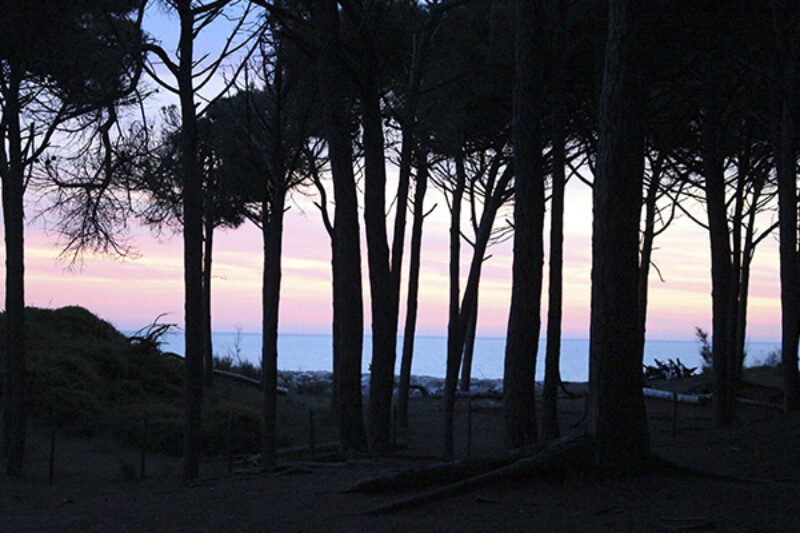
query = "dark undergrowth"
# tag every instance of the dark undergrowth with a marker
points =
(87, 379)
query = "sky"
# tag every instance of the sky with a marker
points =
(132, 292)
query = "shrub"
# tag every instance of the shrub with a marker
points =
(705, 348)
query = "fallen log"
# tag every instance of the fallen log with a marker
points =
(701, 399)
(304, 451)
(691, 399)
(441, 472)
(480, 395)
(426, 476)
(233, 375)
(756, 403)
(564, 453)
(248, 380)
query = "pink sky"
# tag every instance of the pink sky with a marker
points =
(131, 293)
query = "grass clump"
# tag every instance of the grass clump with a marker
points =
(89, 379)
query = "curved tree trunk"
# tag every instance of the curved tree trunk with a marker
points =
(348, 313)
(413, 292)
(469, 301)
(469, 349)
(13, 179)
(616, 413)
(524, 321)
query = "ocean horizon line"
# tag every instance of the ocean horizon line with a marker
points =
(444, 336)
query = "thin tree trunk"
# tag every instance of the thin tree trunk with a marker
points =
(192, 246)
(272, 230)
(413, 292)
(744, 283)
(469, 350)
(616, 414)
(348, 312)
(453, 346)
(469, 301)
(14, 409)
(208, 246)
(552, 374)
(741, 309)
(647, 250)
(524, 322)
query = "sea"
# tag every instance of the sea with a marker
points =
(308, 352)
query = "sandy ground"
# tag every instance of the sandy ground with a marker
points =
(763, 449)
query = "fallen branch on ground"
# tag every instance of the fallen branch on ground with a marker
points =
(691, 399)
(248, 380)
(567, 452)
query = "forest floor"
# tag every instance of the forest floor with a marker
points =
(95, 486)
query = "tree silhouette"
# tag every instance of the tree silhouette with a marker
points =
(616, 413)
(188, 77)
(56, 78)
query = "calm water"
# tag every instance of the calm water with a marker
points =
(313, 352)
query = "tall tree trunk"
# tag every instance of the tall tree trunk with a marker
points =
(348, 312)
(192, 246)
(469, 350)
(552, 375)
(272, 230)
(13, 179)
(723, 408)
(524, 321)
(413, 292)
(616, 415)
(453, 346)
(790, 277)
(208, 350)
(384, 297)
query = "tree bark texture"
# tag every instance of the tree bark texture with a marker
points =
(348, 312)
(13, 179)
(524, 322)
(616, 414)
